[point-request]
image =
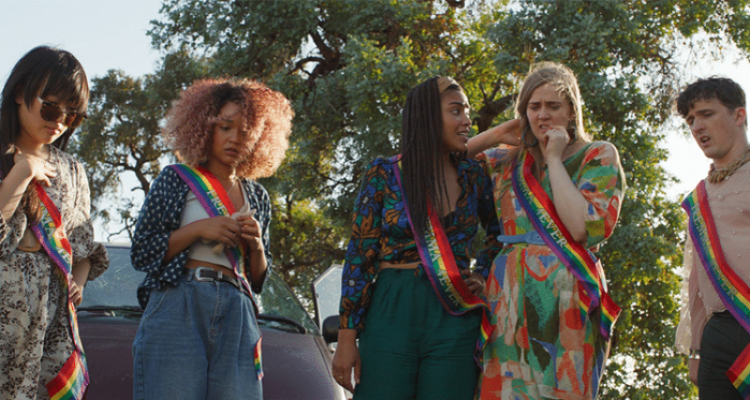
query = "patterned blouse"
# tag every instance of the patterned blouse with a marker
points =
(35, 338)
(381, 232)
(160, 216)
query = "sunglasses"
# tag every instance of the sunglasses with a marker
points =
(53, 112)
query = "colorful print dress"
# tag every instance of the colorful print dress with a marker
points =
(35, 338)
(540, 349)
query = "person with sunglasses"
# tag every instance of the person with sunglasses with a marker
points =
(47, 247)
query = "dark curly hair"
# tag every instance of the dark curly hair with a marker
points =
(727, 91)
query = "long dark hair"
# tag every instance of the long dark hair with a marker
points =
(43, 71)
(421, 151)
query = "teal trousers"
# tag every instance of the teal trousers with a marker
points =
(411, 348)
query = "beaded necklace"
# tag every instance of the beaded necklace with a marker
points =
(716, 175)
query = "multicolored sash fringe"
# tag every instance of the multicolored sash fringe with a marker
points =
(579, 261)
(216, 202)
(732, 290)
(258, 357)
(73, 378)
(441, 269)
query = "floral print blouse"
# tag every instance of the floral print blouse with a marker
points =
(35, 335)
(160, 216)
(381, 232)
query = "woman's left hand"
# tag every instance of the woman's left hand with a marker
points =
(475, 281)
(75, 293)
(555, 141)
(251, 232)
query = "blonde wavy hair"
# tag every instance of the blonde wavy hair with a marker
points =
(266, 123)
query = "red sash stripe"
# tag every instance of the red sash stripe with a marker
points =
(216, 202)
(439, 265)
(73, 379)
(579, 261)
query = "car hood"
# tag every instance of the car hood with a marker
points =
(296, 366)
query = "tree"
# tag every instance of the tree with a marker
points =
(122, 135)
(347, 64)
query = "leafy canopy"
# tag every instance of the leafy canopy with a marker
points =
(347, 65)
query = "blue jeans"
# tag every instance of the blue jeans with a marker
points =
(196, 341)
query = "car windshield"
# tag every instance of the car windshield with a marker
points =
(116, 290)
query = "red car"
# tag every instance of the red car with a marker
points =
(296, 358)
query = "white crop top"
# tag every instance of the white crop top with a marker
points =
(199, 250)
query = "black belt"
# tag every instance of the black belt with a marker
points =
(206, 274)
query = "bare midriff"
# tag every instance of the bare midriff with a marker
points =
(216, 267)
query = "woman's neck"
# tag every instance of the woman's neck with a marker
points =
(41, 150)
(449, 167)
(221, 171)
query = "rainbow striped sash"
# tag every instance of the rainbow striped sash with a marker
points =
(216, 202)
(73, 378)
(579, 261)
(733, 291)
(441, 269)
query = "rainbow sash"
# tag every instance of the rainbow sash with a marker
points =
(257, 357)
(732, 290)
(579, 261)
(216, 202)
(73, 378)
(441, 269)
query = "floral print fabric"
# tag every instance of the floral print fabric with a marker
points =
(381, 232)
(540, 348)
(35, 336)
(160, 216)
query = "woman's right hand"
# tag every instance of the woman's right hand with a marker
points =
(37, 168)
(224, 230)
(347, 358)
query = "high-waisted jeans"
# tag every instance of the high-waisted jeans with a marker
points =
(196, 341)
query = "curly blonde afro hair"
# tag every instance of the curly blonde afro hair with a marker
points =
(266, 123)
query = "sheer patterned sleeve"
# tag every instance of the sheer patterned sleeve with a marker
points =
(363, 249)
(81, 228)
(602, 184)
(489, 220)
(693, 315)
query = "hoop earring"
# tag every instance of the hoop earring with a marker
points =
(523, 138)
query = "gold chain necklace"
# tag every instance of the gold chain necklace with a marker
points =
(717, 175)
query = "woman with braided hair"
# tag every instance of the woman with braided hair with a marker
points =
(424, 310)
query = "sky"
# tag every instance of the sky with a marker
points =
(111, 34)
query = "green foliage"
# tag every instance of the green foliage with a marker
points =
(347, 65)
(121, 139)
